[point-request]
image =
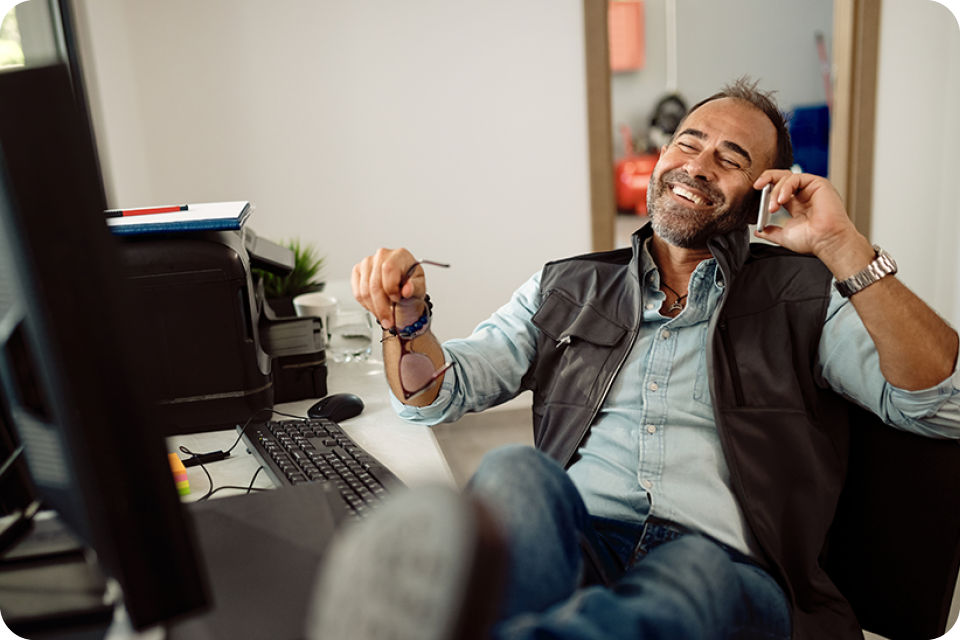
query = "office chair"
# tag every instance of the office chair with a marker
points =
(894, 547)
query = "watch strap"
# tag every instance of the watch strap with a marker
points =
(883, 265)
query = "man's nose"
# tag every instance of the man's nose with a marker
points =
(700, 166)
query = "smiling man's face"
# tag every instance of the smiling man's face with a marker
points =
(703, 182)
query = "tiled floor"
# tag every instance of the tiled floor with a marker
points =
(464, 442)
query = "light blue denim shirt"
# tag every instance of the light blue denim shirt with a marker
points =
(654, 448)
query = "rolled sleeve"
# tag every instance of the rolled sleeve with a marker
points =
(488, 366)
(850, 365)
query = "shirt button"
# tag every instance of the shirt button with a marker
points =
(665, 334)
(651, 305)
(654, 386)
(651, 428)
(646, 484)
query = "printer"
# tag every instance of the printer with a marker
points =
(211, 351)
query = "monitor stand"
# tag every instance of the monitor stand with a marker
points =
(51, 587)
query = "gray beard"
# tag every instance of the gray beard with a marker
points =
(688, 228)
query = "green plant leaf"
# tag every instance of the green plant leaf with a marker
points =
(307, 267)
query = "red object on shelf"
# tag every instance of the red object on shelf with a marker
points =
(632, 175)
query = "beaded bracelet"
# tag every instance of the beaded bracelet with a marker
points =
(414, 330)
(418, 328)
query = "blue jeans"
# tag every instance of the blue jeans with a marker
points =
(663, 583)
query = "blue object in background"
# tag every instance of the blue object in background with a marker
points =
(810, 133)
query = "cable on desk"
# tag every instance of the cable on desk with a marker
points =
(209, 477)
(212, 456)
(213, 490)
(199, 459)
(248, 488)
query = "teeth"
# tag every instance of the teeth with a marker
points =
(683, 193)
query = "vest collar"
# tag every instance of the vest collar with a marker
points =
(731, 250)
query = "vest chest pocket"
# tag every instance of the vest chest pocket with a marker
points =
(575, 345)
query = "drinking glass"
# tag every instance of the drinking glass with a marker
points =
(351, 335)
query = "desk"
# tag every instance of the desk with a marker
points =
(410, 451)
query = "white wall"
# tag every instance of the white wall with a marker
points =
(916, 211)
(460, 130)
(456, 129)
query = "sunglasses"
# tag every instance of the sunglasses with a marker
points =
(411, 318)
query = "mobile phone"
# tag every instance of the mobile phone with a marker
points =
(763, 215)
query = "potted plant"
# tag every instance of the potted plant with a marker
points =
(305, 278)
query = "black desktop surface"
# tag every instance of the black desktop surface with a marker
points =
(262, 552)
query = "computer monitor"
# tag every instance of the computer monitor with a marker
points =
(66, 359)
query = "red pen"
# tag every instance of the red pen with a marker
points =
(119, 213)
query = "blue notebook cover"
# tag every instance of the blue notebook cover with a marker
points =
(210, 216)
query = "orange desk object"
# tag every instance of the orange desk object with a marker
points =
(179, 474)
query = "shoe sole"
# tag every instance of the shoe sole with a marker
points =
(428, 565)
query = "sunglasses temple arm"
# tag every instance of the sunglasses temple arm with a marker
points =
(406, 276)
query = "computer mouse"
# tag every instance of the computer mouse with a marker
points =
(337, 407)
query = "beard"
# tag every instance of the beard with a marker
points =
(690, 228)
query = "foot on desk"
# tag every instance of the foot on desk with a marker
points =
(428, 565)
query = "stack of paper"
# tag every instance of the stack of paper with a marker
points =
(211, 216)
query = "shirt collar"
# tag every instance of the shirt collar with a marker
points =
(706, 285)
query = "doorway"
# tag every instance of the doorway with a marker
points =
(851, 34)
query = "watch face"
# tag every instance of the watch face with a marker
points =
(885, 261)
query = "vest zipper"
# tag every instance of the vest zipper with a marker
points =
(602, 397)
(732, 360)
(616, 372)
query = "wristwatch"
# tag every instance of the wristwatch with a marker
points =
(882, 265)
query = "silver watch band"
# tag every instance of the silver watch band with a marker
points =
(882, 265)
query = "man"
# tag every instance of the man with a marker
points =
(687, 410)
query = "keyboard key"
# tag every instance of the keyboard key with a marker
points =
(318, 450)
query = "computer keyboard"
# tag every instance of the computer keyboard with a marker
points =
(317, 450)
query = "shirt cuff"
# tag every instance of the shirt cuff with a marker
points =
(937, 407)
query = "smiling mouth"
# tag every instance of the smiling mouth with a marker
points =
(690, 196)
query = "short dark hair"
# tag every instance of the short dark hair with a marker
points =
(746, 89)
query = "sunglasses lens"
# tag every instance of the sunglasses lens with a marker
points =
(416, 371)
(420, 376)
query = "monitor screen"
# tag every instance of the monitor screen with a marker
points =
(66, 358)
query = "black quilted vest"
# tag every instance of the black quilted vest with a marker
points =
(785, 436)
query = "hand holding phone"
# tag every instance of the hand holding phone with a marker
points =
(763, 215)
